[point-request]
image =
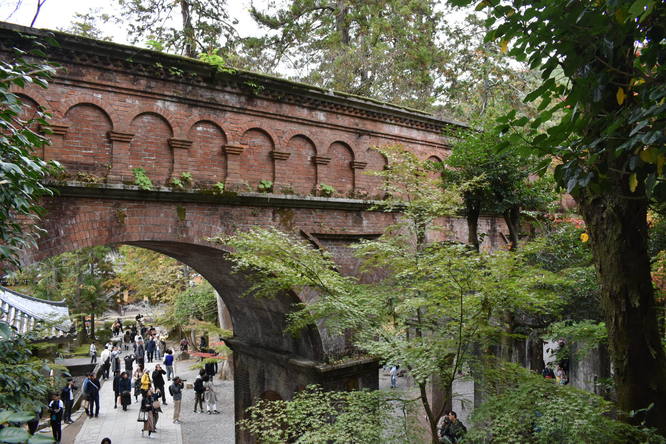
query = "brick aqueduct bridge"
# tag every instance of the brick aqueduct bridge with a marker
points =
(115, 108)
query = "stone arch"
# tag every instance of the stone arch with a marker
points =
(86, 146)
(435, 160)
(206, 158)
(255, 160)
(149, 148)
(301, 164)
(340, 172)
(376, 162)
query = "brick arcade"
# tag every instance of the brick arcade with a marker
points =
(115, 108)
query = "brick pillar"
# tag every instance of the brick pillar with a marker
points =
(56, 133)
(233, 179)
(120, 156)
(282, 175)
(358, 167)
(181, 156)
(322, 176)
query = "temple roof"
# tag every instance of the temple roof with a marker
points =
(40, 310)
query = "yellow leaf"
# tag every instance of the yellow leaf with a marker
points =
(584, 237)
(633, 182)
(648, 155)
(620, 96)
(504, 46)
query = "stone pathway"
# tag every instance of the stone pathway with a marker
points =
(201, 428)
(122, 427)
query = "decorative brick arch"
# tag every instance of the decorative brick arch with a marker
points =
(205, 158)
(171, 119)
(300, 168)
(34, 94)
(342, 164)
(256, 160)
(150, 146)
(89, 99)
(86, 145)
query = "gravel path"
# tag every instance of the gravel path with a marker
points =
(201, 428)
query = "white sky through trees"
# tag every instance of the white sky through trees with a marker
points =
(57, 14)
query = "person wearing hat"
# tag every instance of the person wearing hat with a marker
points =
(176, 391)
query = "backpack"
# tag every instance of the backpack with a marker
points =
(198, 385)
(54, 410)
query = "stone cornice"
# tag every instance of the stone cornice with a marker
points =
(280, 155)
(53, 128)
(180, 143)
(163, 194)
(137, 61)
(233, 149)
(116, 136)
(321, 160)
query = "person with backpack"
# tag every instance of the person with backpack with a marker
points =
(199, 391)
(124, 389)
(56, 409)
(176, 392)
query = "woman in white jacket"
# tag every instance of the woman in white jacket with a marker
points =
(210, 396)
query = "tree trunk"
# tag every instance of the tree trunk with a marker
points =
(92, 326)
(188, 29)
(472, 213)
(512, 219)
(341, 25)
(617, 227)
(431, 416)
(83, 334)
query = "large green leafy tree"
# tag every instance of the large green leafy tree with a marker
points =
(602, 71)
(21, 171)
(496, 182)
(434, 302)
(385, 49)
(82, 278)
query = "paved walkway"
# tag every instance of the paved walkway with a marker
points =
(122, 427)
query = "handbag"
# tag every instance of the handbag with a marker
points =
(143, 416)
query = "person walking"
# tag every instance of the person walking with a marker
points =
(150, 349)
(184, 344)
(145, 382)
(56, 409)
(140, 353)
(211, 367)
(116, 390)
(93, 353)
(92, 393)
(129, 361)
(199, 391)
(158, 381)
(210, 395)
(138, 373)
(125, 389)
(115, 361)
(453, 430)
(203, 343)
(67, 397)
(146, 414)
(394, 376)
(176, 392)
(168, 363)
(106, 362)
(157, 407)
(127, 339)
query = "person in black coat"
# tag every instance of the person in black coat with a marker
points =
(211, 368)
(129, 361)
(67, 398)
(125, 389)
(158, 381)
(150, 348)
(92, 391)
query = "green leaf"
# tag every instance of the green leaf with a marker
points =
(13, 435)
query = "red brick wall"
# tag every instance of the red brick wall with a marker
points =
(285, 142)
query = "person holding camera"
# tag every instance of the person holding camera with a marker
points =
(176, 391)
(452, 430)
(67, 397)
